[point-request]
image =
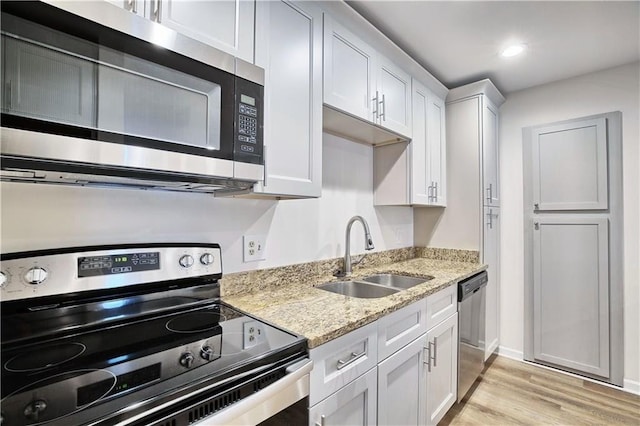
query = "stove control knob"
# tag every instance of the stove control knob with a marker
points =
(36, 275)
(207, 259)
(186, 261)
(3, 282)
(186, 359)
(207, 353)
(34, 410)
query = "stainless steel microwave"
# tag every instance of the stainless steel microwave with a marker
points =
(94, 95)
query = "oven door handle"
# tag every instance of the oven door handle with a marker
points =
(268, 401)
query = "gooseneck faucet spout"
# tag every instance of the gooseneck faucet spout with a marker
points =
(368, 242)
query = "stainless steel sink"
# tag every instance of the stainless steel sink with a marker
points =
(396, 281)
(359, 289)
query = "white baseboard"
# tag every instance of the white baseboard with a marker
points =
(510, 353)
(628, 385)
(631, 386)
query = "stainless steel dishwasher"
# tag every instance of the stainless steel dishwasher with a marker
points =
(471, 313)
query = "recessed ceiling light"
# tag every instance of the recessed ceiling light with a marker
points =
(513, 50)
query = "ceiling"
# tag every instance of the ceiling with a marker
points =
(459, 41)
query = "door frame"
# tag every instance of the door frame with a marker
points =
(616, 241)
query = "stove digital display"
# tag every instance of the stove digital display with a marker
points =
(124, 382)
(92, 266)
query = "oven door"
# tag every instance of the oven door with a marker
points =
(271, 398)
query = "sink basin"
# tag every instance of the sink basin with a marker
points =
(358, 289)
(396, 281)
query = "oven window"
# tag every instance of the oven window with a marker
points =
(55, 77)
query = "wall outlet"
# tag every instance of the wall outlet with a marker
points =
(254, 247)
(253, 334)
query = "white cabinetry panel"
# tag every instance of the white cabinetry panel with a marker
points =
(342, 360)
(491, 256)
(394, 97)
(225, 24)
(414, 173)
(353, 405)
(289, 48)
(571, 287)
(348, 71)
(442, 369)
(570, 166)
(402, 386)
(490, 154)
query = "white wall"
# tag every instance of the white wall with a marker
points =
(45, 216)
(616, 89)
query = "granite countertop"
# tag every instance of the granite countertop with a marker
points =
(321, 315)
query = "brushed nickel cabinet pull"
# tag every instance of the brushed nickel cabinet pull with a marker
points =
(375, 105)
(354, 357)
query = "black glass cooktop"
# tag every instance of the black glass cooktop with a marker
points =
(81, 368)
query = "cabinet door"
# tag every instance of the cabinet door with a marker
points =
(137, 7)
(353, 405)
(289, 48)
(402, 386)
(490, 154)
(442, 368)
(394, 97)
(227, 25)
(570, 166)
(436, 145)
(571, 292)
(491, 256)
(421, 184)
(348, 71)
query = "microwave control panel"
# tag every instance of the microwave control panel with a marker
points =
(249, 119)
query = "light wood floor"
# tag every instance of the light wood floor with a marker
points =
(515, 393)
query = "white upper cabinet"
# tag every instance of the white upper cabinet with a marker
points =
(437, 150)
(490, 153)
(289, 48)
(227, 25)
(348, 71)
(393, 95)
(414, 173)
(362, 83)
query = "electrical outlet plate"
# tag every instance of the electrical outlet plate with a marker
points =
(253, 334)
(254, 247)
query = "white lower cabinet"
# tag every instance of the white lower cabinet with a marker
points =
(400, 370)
(402, 386)
(352, 405)
(442, 369)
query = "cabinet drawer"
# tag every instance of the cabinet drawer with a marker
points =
(342, 360)
(400, 328)
(442, 305)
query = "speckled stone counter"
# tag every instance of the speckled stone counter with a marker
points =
(321, 316)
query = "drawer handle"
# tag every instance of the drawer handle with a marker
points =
(354, 357)
(322, 418)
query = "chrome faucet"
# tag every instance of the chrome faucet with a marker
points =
(368, 243)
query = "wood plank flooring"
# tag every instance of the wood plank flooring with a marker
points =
(510, 392)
